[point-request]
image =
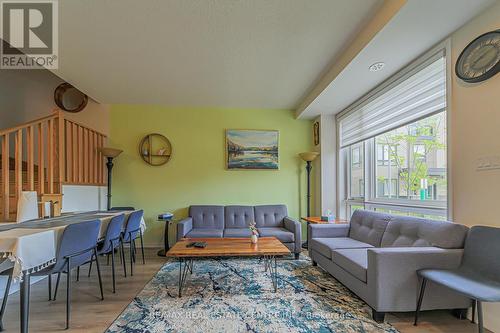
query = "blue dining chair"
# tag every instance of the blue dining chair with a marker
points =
(77, 246)
(111, 241)
(132, 230)
(478, 276)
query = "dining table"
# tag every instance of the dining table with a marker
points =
(31, 246)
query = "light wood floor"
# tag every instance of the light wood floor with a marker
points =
(90, 314)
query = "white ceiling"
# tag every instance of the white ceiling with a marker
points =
(221, 53)
(418, 26)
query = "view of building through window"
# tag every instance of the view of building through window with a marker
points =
(411, 161)
(408, 167)
(357, 183)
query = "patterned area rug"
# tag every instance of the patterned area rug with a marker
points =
(236, 295)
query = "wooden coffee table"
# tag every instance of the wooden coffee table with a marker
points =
(268, 248)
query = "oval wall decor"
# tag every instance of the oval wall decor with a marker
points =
(155, 149)
(70, 99)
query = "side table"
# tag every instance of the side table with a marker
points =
(168, 223)
(317, 220)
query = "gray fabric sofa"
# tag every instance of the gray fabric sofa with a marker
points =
(377, 257)
(233, 221)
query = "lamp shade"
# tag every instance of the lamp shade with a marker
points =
(309, 156)
(109, 152)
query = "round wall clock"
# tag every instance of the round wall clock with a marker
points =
(480, 60)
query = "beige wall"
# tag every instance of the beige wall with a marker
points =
(475, 126)
(29, 94)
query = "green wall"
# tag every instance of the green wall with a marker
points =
(196, 172)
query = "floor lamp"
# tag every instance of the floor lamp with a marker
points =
(110, 154)
(308, 157)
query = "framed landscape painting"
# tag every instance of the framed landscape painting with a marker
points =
(252, 149)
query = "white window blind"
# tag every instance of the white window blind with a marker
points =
(411, 95)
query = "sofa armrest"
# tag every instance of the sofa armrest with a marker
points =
(295, 227)
(392, 273)
(183, 227)
(327, 230)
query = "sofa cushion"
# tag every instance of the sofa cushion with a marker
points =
(270, 215)
(283, 235)
(325, 246)
(404, 231)
(368, 226)
(354, 261)
(205, 233)
(238, 216)
(237, 232)
(207, 217)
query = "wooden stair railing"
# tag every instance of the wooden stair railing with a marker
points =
(44, 154)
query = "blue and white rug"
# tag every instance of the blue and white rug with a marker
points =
(236, 295)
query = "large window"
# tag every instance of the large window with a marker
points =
(393, 143)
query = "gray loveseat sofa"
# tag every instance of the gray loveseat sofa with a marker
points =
(233, 221)
(377, 256)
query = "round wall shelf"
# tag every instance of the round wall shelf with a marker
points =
(155, 149)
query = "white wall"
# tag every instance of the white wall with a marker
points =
(325, 166)
(83, 198)
(475, 125)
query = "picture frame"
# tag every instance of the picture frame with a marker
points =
(252, 149)
(316, 133)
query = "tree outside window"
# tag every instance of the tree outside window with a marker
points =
(414, 156)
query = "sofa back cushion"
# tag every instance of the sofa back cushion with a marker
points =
(404, 231)
(238, 216)
(207, 217)
(270, 215)
(368, 226)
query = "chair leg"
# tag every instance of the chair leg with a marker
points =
(120, 251)
(50, 287)
(132, 246)
(480, 316)
(142, 247)
(98, 273)
(474, 302)
(122, 256)
(68, 291)
(90, 267)
(131, 258)
(78, 273)
(4, 300)
(57, 285)
(113, 268)
(420, 298)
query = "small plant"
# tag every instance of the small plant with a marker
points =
(253, 229)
